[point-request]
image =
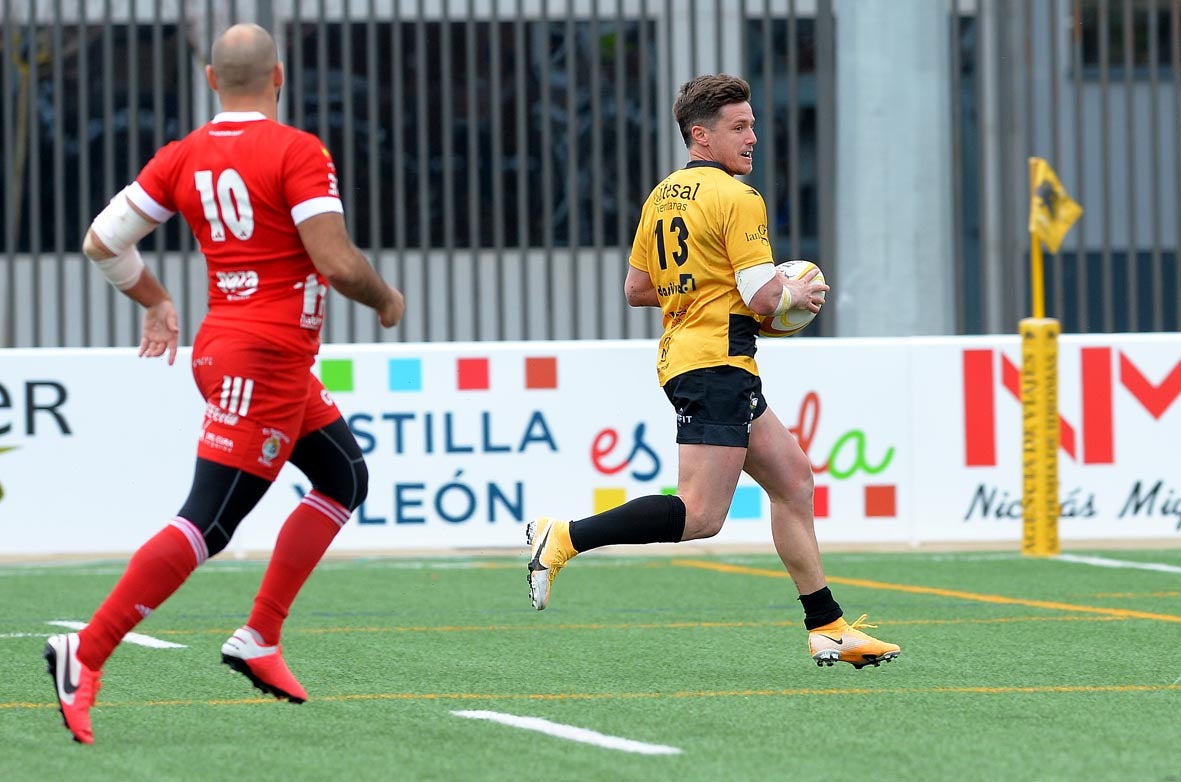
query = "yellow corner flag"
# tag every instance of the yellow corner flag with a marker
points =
(1051, 210)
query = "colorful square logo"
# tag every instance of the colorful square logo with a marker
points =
(405, 374)
(472, 374)
(337, 374)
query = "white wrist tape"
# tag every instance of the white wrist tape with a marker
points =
(124, 269)
(784, 304)
(119, 226)
(750, 280)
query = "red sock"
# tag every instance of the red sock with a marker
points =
(156, 570)
(305, 537)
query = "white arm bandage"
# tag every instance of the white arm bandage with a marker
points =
(119, 227)
(751, 279)
(124, 269)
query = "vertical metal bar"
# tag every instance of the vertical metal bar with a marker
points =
(1029, 121)
(1080, 137)
(692, 41)
(373, 148)
(266, 14)
(1059, 293)
(84, 205)
(132, 59)
(295, 72)
(1154, 173)
(473, 166)
(673, 85)
(521, 109)
(324, 129)
(496, 88)
(7, 122)
(766, 143)
(1175, 59)
(547, 173)
(447, 134)
(622, 180)
(573, 226)
(622, 237)
(59, 178)
(131, 78)
(349, 132)
(422, 185)
(348, 116)
(795, 212)
(185, 100)
(826, 119)
(399, 200)
(159, 237)
(596, 165)
(1105, 171)
(33, 169)
(1132, 273)
(211, 100)
(650, 124)
(957, 166)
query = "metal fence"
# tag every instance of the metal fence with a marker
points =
(494, 154)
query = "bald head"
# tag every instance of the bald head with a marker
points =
(243, 60)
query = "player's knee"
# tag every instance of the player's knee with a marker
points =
(698, 527)
(349, 485)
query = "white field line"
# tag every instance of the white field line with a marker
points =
(25, 635)
(1118, 563)
(570, 732)
(131, 638)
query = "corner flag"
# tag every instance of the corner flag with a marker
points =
(1051, 210)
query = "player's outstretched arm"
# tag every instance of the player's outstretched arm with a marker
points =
(327, 241)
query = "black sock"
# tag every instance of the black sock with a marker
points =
(820, 609)
(657, 518)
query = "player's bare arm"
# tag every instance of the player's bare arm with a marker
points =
(639, 290)
(327, 242)
(124, 224)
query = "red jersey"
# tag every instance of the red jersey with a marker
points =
(243, 183)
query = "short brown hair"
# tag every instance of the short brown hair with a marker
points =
(701, 100)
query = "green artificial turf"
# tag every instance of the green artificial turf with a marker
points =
(1012, 669)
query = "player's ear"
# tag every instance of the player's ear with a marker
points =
(277, 75)
(211, 77)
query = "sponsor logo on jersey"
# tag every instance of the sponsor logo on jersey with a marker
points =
(217, 442)
(272, 446)
(238, 285)
(217, 415)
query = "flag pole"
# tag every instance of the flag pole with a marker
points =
(1037, 268)
(1039, 407)
(1037, 277)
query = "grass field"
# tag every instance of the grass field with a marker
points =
(1012, 669)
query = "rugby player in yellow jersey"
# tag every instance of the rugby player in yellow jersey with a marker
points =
(701, 254)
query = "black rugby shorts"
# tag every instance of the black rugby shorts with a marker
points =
(715, 405)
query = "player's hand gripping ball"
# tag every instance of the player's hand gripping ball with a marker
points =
(794, 320)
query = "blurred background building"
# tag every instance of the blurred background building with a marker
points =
(494, 155)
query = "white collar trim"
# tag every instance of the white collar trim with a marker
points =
(239, 116)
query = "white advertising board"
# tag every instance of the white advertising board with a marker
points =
(911, 440)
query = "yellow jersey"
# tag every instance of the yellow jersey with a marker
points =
(697, 228)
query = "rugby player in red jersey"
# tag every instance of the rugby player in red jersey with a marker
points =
(263, 201)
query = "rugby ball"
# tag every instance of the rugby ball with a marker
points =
(794, 320)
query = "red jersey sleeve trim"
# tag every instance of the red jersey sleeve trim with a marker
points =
(315, 206)
(146, 204)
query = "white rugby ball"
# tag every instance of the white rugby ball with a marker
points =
(794, 320)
